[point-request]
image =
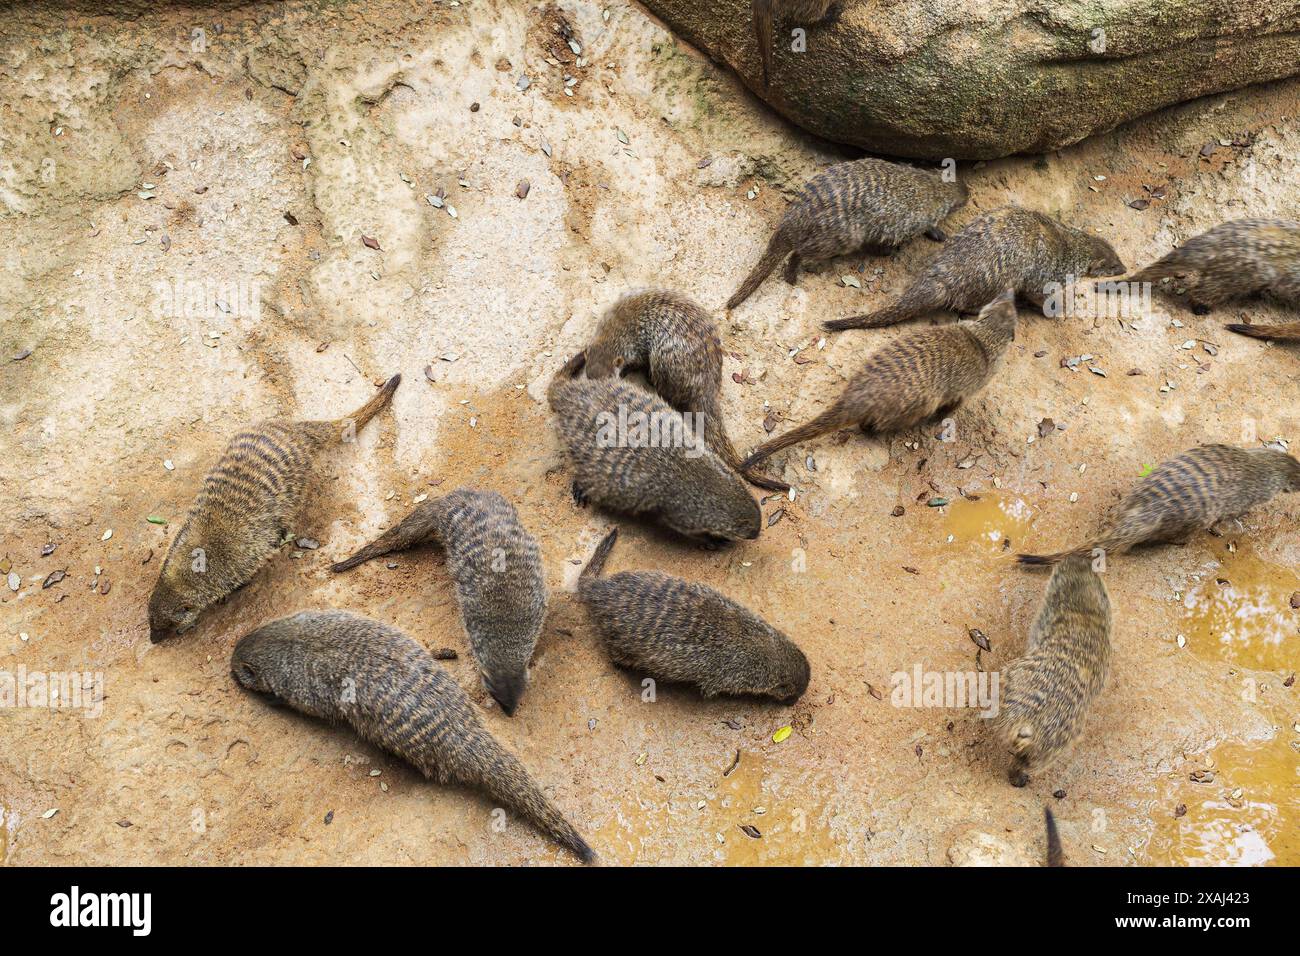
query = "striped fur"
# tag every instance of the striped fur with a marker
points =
(246, 508)
(497, 569)
(683, 632)
(921, 376)
(1190, 493)
(865, 205)
(1011, 247)
(1044, 695)
(690, 491)
(346, 668)
(676, 343)
(1236, 260)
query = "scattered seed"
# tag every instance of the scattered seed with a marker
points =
(979, 638)
(522, 189)
(751, 831)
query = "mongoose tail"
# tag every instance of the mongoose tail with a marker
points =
(1043, 560)
(1055, 855)
(1163, 268)
(728, 453)
(1130, 532)
(357, 420)
(596, 566)
(416, 528)
(716, 437)
(777, 249)
(1287, 332)
(917, 300)
(509, 783)
(762, 13)
(830, 420)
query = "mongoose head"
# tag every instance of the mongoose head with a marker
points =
(506, 688)
(714, 505)
(1288, 468)
(607, 357)
(1022, 744)
(614, 346)
(179, 596)
(263, 655)
(171, 611)
(1100, 257)
(791, 674)
(780, 670)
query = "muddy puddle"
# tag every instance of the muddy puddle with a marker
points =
(1241, 613)
(993, 521)
(1239, 805)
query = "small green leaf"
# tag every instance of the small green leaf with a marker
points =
(154, 519)
(1146, 470)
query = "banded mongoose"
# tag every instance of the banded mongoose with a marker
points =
(1045, 694)
(496, 566)
(1235, 260)
(1189, 493)
(920, 376)
(631, 452)
(346, 668)
(801, 12)
(866, 204)
(676, 343)
(679, 631)
(244, 512)
(1009, 247)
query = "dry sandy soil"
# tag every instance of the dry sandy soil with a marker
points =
(182, 232)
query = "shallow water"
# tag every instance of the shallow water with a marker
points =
(1241, 613)
(995, 521)
(1247, 815)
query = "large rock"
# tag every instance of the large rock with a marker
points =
(976, 79)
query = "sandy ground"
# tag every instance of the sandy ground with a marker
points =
(182, 234)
